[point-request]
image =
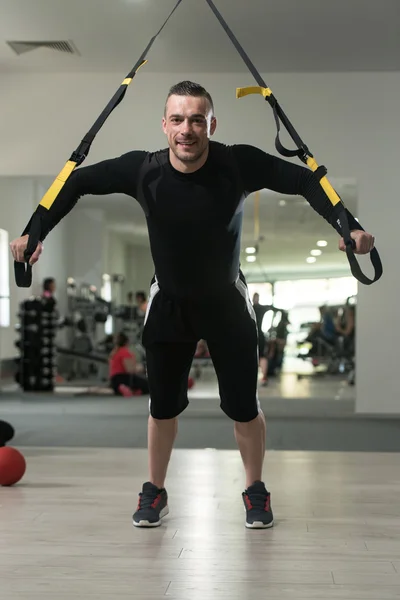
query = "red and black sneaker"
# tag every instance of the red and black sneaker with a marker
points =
(152, 506)
(257, 502)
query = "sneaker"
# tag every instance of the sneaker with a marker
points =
(152, 506)
(257, 502)
(125, 391)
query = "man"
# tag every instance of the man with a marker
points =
(192, 194)
(142, 304)
(49, 287)
(48, 291)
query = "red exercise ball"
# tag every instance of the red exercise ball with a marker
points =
(12, 466)
(190, 383)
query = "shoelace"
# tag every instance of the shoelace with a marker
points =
(146, 499)
(258, 499)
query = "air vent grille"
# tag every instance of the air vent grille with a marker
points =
(60, 46)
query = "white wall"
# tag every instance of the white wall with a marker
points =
(139, 268)
(88, 246)
(350, 121)
(116, 264)
(324, 108)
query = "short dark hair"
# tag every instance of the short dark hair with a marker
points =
(122, 339)
(188, 88)
(47, 283)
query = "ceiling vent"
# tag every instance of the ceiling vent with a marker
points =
(60, 46)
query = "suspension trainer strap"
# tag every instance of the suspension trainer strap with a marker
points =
(23, 271)
(303, 154)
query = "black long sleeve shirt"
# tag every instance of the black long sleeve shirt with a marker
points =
(194, 220)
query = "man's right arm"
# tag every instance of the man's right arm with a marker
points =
(116, 175)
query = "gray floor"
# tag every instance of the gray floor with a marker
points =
(66, 531)
(320, 416)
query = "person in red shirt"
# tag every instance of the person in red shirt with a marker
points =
(122, 370)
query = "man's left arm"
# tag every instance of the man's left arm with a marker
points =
(260, 170)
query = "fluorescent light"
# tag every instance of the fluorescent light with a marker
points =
(251, 258)
(282, 202)
(316, 252)
(250, 250)
(311, 259)
(322, 243)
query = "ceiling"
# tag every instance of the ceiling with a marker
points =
(280, 36)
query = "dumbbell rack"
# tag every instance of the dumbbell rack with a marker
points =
(37, 363)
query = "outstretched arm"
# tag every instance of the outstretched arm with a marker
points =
(106, 177)
(261, 170)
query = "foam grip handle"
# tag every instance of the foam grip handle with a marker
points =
(23, 274)
(23, 270)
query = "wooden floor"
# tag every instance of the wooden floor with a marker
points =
(66, 532)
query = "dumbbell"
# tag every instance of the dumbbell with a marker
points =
(27, 313)
(33, 328)
(6, 433)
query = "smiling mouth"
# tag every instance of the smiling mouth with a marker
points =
(186, 143)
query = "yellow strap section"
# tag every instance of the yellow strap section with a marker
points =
(57, 185)
(240, 92)
(128, 80)
(257, 216)
(328, 189)
(142, 65)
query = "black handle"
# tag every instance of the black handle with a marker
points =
(23, 270)
(23, 274)
(356, 269)
(350, 247)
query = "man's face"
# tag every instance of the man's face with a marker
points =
(188, 124)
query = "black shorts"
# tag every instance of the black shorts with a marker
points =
(172, 329)
(135, 382)
(262, 345)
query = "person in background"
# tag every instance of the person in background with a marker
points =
(124, 379)
(49, 287)
(142, 303)
(260, 310)
(281, 334)
(323, 334)
(345, 326)
(202, 350)
(328, 329)
(48, 291)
